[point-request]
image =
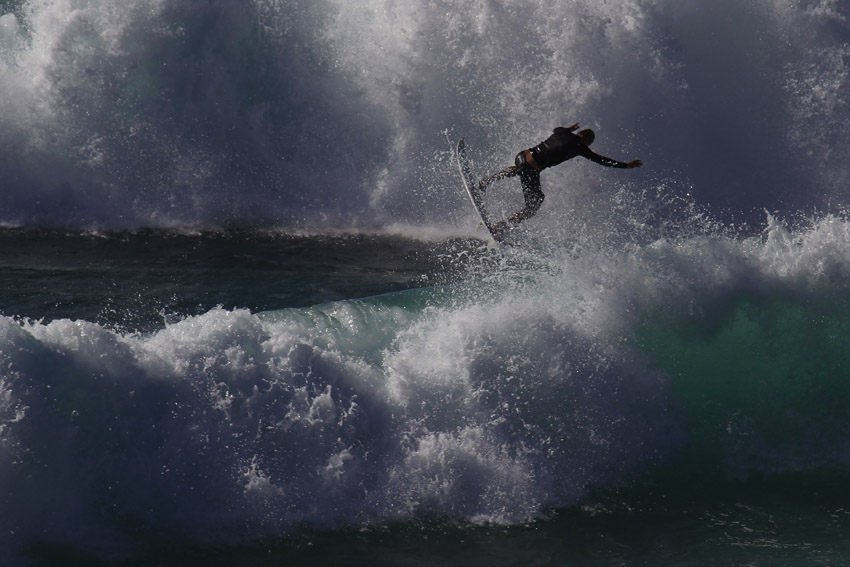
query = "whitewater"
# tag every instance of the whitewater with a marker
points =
(246, 316)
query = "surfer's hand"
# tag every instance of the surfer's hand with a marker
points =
(573, 127)
(634, 163)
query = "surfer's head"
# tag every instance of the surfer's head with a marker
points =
(587, 136)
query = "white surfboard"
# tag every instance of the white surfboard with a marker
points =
(475, 196)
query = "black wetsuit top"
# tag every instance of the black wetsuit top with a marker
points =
(564, 145)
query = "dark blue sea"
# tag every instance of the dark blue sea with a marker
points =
(247, 316)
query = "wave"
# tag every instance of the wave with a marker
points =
(230, 424)
(492, 399)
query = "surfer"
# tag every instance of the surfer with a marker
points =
(557, 148)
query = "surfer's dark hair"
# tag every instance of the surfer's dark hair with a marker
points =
(587, 136)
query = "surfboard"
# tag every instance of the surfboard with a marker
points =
(475, 196)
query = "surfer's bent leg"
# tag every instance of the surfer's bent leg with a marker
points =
(503, 174)
(529, 177)
(531, 192)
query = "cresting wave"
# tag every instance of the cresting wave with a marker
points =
(233, 425)
(489, 400)
(328, 113)
(636, 328)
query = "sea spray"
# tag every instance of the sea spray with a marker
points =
(329, 114)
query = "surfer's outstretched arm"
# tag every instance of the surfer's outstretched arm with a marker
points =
(503, 174)
(609, 162)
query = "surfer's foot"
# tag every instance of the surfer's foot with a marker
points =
(498, 230)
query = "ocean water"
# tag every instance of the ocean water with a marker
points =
(227, 399)
(246, 317)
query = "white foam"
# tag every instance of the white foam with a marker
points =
(104, 124)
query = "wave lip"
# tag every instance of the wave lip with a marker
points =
(752, 334)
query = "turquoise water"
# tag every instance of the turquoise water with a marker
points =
(767, 386)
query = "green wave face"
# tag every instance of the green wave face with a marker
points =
(765, 384)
